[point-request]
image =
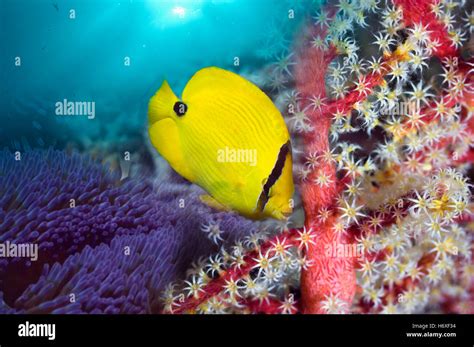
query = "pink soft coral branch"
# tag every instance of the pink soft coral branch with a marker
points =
(336, 276)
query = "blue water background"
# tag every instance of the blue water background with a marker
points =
(83, 58)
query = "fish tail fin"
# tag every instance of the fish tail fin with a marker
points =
(161, 104)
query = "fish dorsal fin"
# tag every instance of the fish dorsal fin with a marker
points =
(210, 78)
(212, 86)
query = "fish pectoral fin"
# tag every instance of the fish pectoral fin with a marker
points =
(213, 203)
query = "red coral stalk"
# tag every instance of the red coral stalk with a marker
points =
(327, 275)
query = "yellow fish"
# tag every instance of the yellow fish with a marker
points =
(226, 136)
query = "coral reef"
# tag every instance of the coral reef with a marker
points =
(378, 96)
(82, 217)
(383, 145)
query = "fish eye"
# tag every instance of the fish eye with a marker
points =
(180, 108)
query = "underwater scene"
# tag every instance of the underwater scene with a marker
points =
(236, 156)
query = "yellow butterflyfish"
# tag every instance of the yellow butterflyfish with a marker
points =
(226, 136)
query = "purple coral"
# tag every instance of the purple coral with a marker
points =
(81, 242)
(107, 279)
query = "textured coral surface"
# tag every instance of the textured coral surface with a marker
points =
(105, 245)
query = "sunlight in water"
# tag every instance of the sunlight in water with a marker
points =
(176, 12)
(179, 11)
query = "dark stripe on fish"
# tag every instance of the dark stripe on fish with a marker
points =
(274, 176)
